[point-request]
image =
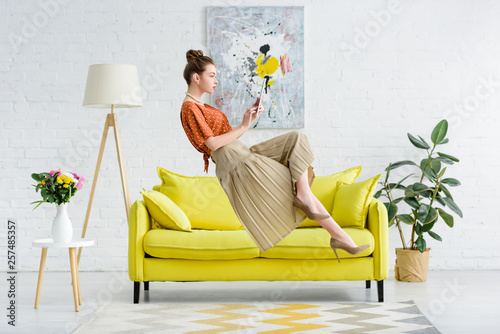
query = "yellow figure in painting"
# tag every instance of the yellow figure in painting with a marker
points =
(266, 67)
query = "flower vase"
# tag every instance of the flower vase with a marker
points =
(62, 230)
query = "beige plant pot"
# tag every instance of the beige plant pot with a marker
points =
(411, 265)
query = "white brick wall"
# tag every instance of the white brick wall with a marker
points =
(374, 70)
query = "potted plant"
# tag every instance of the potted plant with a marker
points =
(426, 200)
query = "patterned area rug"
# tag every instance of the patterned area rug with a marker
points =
(266, 318)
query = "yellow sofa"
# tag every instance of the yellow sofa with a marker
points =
(216, 247)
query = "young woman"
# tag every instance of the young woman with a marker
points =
(268, 184)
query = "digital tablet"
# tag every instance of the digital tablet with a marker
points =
(261, 94)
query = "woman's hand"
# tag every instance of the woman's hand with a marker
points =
(214, 142)
(252, 114)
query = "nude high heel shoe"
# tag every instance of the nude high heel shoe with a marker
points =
(311, 215)
(334, 243)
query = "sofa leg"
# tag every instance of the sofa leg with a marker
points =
(146, 286)
(368, 284)
(137, 289)
(380, 290)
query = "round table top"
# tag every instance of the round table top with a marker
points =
(49, 243)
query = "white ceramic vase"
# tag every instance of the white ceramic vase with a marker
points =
(62, 230)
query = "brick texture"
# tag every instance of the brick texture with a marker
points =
(374, 70)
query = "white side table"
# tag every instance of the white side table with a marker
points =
(75, 278)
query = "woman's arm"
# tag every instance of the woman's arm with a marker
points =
(215, 142)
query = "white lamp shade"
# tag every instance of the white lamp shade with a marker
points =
(112, 84)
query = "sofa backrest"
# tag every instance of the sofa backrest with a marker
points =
(206, 205)
(325, 189)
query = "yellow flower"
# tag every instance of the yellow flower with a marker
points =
(59, 180)
(66, 185)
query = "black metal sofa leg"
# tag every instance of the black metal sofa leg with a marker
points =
(137, 289)
(380, 290)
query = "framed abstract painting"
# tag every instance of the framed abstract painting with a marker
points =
(254, 48)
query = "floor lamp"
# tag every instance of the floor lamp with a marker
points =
(111, 86)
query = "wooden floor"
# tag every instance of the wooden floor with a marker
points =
(454, 301)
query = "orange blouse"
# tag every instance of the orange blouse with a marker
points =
(201, 122)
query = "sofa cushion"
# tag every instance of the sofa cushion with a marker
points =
(314, 243)
(304, 243)
(200, 245)
(351, 203)
(325, 187)
(201, 198)
(164, 211)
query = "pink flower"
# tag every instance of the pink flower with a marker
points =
(52, 172)
(81, 180)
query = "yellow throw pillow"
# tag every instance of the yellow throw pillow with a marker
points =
(202, 199)
(165, 212)
(351, 202)
(325, 187)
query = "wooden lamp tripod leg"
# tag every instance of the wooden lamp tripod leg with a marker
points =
(121, 162)
(94, 182)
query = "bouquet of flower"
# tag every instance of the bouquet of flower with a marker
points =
(56, 186)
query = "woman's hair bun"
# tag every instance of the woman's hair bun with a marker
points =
(196, 63)
(193, 54)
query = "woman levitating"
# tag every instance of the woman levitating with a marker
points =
(268, 184)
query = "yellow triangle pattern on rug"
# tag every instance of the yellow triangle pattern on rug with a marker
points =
(288, 321)
(223, 321)
(292, 311)
(259, 317)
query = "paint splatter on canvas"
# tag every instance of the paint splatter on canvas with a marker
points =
(255, 46)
